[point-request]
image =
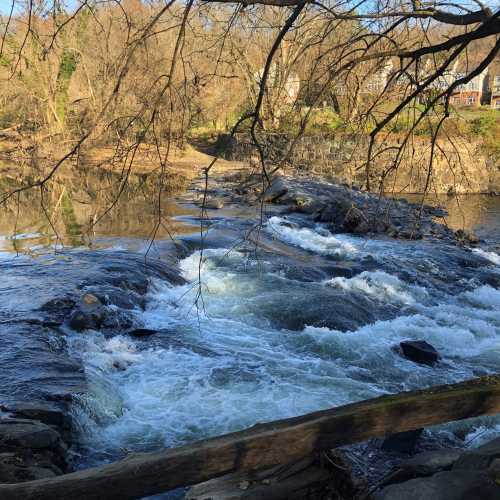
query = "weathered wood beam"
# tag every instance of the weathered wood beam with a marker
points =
(266, 445)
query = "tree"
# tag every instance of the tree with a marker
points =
(134, 72)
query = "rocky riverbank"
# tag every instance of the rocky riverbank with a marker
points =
(34, 442)
(45, 378)
(340, 208)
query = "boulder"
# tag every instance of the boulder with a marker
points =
(276, 190)
(402, 442)
(14, 469)
(89, 314)
(479, 458)
(419, 351)
(45, 414)
(142, 332)
(214, 204)
(336, 210)
(448, 485)
(58, 309)
(430, 462)
(23, 433)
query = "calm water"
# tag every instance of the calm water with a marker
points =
(305, 322)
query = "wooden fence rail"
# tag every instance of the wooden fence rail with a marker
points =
(266, 445)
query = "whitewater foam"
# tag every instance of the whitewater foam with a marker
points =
(380, 285)
(317, 240)
(491, 256)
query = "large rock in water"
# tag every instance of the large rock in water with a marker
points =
(276, 190)
(419, 351)
(89, 314)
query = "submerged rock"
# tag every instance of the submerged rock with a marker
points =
(419, 351)
(142, 332)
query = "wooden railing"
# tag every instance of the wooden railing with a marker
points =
(266, 445)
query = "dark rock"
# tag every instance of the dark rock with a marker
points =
(419, 351)
(276, 190)
(494, 471)
(142, 332)
(23, 433)
(479, 458)
(90, 314)
(45, 414)
(58, 310)
(449, 485)
(336, 210)
(466, 237)
(430, 462)
(16, 469)
(402, 442)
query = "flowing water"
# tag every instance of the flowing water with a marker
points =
(301, 321)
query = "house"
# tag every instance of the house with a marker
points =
(494, 85)
(472, 93)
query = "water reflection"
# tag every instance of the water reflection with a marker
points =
(477, 213)
(79, 208)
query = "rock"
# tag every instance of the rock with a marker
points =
(307, 205)
(392, 232)
(402, 442)
(449, 485)
(276, 190)
(419, 351)
(466, 237)
(214, 204)
(44, 414)
(494, 471)
(479, 458)
(336, 210)
(142, 332)
(15, 469)
(430, 462)
(89, 314)
(23, 433)
(58, 309)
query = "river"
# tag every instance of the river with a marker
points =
(306, 320)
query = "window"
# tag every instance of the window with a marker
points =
(470, 100)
